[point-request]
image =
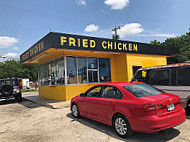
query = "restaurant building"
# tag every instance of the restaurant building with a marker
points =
(70, 64)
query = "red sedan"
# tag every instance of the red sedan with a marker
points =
(129, 107)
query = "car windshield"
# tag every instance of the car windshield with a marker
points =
(142, 90)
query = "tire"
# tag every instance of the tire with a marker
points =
(122, 126)
(6, 90)
(75, 110)
(18, 97)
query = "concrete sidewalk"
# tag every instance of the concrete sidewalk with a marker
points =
(54, 104)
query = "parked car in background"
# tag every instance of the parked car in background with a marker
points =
(129, 107)
(174, 78)
(10, 88)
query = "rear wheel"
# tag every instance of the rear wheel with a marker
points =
(7, 90)
(122, 126)
(75, 110)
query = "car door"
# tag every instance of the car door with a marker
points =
(87, 105)
(104, 106)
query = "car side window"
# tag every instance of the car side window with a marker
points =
(111, 92)
(95, 92)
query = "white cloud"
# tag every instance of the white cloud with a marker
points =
(6, 41)
(11, 55)
(130, 29)
(91, 28)
(158, 35)
(81, 2)
(15, 48)
(117, 4)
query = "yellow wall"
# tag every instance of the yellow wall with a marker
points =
(63, 92)
(119, 67)
(144, 61)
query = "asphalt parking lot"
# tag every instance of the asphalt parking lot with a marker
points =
(30, 122)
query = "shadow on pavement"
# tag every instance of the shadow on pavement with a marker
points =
(4, 102)
(24, 103)
(162, 136)
(29, 104)
(188, 112)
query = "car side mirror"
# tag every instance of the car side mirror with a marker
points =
(82, 95)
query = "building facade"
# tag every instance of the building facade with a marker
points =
(70, 64)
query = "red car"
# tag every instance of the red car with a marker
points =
(130, 107)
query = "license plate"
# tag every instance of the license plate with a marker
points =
(170, 107)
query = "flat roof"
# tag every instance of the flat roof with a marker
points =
(80, 42)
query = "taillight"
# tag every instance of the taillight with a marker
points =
(179, 102)
(150, 107)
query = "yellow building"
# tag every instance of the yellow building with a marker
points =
(70, 64)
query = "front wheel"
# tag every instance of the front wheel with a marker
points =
(122, 126)
(75, 111)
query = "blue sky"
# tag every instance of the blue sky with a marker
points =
(24, 22)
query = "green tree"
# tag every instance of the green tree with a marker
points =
(155, 42)
(12, 68)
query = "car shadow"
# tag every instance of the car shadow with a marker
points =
(161, 136)
(9, 101)
(188, 112)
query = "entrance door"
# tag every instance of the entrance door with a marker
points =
(92, 75)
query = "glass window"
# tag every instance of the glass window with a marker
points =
(82, 70)
(49, 74)
(44, 74)
(39, 75)
(71, 70)
(183, 76)
(53, 74)
(142, 90)
(140, 76)
(60, 72)
(95, 92)
(92, 63)
(159, 77)
(111, 92)
(104, 70)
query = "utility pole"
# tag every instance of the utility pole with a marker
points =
(116, 36)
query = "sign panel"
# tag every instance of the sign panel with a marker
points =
(68, 41)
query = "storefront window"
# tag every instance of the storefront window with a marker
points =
(53, 74)
(79, 70)
(49, 74)
(104, 70)
(71, 70)
(82, 70)
(60, 72)
(44, 74)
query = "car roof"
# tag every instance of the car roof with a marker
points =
(120, 83)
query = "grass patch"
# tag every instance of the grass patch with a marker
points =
(28, 90)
